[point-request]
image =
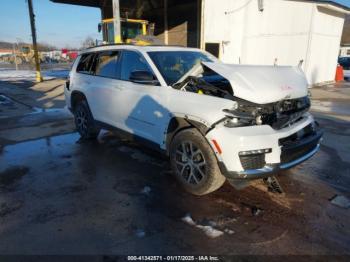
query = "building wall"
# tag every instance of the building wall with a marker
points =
(285, 32)
(324, 47)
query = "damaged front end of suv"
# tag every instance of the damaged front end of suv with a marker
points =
(267, 128)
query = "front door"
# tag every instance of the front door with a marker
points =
(142, 112)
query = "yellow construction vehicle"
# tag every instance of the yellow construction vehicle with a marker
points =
(133, 31)
(25, 54)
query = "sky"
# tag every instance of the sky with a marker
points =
(57, 24)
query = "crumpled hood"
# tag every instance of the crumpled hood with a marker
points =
(263, 84)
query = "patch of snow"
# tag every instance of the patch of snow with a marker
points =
(229, 231)
(30, 75)
(209, 230)
(188, 219)
(341, 201)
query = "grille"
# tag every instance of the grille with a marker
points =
(302, 134)
(299, 144)
(253, 161)
(289, 155)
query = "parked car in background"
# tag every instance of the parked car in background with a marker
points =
(344, 62)
(214, 121)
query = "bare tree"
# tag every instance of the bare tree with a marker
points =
(88, 42)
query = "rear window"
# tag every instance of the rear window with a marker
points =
(85, 63)
(107, 64)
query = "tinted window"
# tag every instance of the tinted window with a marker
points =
(131, 30)
(85, 62)
(107, 64)
(132, 61)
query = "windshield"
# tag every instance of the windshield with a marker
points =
(175, 64)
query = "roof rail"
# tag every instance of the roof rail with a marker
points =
(131, 44)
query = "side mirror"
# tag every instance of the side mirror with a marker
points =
(143, 77)
(99, 27)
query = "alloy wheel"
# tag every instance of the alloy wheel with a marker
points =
(82, 121)
(190, 163)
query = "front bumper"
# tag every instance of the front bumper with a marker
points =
(282, 157)
(268, 170)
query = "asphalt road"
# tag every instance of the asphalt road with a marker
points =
(61, 195)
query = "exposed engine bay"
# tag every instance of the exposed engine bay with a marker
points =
(202, 80)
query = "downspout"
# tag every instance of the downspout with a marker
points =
(202, 45)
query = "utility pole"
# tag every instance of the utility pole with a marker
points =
(117, 27)
(35, 46)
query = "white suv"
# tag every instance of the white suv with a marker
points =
(215, 121)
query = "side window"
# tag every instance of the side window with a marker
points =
(85, 62)
(107, 64)
(132, 61)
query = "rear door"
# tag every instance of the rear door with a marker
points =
(106, 87)
(81, 81)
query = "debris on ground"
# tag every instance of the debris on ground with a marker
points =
(256, 211)
(229, 231)
(146, 190)
(273, 185)
(340, 201)
(210, 231)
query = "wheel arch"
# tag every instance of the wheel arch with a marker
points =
(180, 123)
(76, 97)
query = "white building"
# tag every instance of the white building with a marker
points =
(282, 32)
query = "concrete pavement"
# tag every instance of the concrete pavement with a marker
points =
(61, 195)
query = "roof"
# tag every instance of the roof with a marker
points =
(98, 3)
(91, 3)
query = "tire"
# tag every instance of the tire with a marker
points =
(84, 121)
(194, 163)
